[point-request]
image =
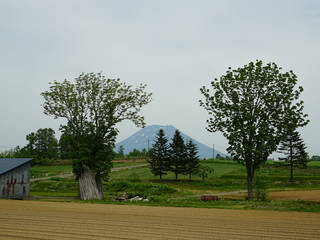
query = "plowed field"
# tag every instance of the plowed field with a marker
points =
(51, 220)
(312, 195)
(306, 195)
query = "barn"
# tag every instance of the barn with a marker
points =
(14, 177)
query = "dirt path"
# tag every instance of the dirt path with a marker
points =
(52, 220)
(68, 175)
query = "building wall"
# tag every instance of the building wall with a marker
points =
(15, 184)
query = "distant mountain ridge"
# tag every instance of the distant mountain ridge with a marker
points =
(146, 136)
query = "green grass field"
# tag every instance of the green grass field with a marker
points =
(228, 176)
(44, 171)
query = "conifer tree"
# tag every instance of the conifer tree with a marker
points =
(192, 159)
(178, 154)
(294, 149)
(159, 162)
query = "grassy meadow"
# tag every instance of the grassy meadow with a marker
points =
(228, 176)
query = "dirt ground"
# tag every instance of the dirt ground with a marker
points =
(306, 195)
(53, 220)
(312, 195)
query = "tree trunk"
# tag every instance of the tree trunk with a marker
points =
(160, 176)
(250, 187)
(190, 177)
(176, 176)
(90, 186)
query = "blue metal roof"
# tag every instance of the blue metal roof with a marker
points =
(8, 164)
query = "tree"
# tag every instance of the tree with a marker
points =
(315, 158)
(192, 159)
(42, 144)
(121, 151)
(204, 171)
(294, 149)
(252, 106)
(219, 157)
(177, 154)
(159, 162)
(135, 153)
(92, 106)
(67, 145)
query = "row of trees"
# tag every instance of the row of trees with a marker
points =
(135, 153)
(176, 157)
(42, 145)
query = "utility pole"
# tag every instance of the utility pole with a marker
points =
(213, 151)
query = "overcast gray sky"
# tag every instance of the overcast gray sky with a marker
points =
(175, 47)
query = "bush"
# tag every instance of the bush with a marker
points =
(260, 190)
(138, 189)
(134, 177)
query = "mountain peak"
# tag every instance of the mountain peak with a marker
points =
(145, 137)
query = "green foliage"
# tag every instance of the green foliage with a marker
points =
(16, 152)
(315, 158)
(294, 149)
(67, 144)
(260, 187)
(92, 106)
(177, 154)
(160, 158)
(121, 152)
(192, 162)
(134, 177)
(42, 146)
(44, 171)
(135, 153)
(140, 189)
(204, 172)
(54, 186)
(252, 106)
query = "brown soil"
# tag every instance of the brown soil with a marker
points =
(311, 195)
(306, 195)
(53, 220)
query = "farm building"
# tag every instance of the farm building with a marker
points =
(14, 177)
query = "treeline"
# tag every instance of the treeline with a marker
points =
(177, 157)
(42, 146)
(134, 154)
(46, 149)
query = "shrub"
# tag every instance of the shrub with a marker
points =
(260, 190)
(138, 189)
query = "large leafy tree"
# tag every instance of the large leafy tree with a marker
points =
(252, 106)
(177, 154)
(160, 155)
(294, 150)
(192, 161)
(92, 105)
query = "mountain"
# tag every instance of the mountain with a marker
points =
(146, 136)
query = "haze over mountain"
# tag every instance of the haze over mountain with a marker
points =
(145, 138)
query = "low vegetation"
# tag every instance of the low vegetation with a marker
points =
(227, 177)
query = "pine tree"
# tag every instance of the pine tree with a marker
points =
(192, 159)
(159, 162)
(178, 154)
(293, 148)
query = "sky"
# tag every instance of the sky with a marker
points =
(175, 47)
